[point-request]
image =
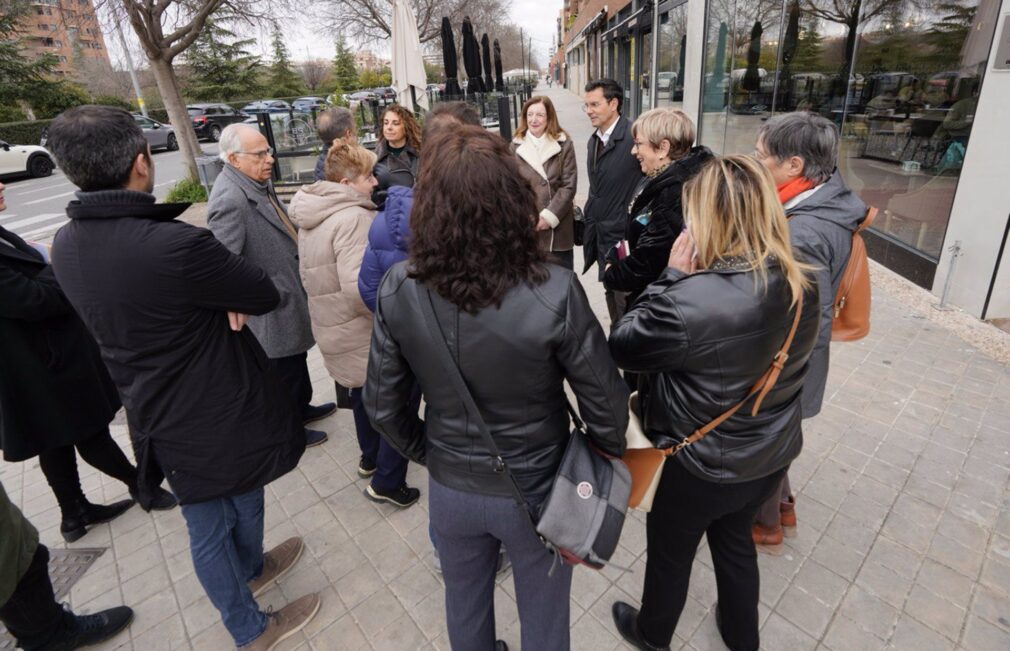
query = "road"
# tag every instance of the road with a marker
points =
(36, 207)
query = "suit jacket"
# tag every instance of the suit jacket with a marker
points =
(613, 177)
(242, 217)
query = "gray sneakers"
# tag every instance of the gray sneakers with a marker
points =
(285, 622)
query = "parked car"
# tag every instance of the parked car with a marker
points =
(266, 106)
(663, 81)
(159, 136)
(309, 104)
(386, 94)
(362, 96)
(25, 159)
(210, 119)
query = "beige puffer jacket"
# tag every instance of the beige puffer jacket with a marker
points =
(333, 221)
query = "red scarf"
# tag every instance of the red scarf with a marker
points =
(794, 188)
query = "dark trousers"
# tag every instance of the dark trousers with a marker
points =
(390, 465)
(470, 529)
(769, 515)
(617, 305)
(59, 465)
(31, 614)
(685, 509)
(565, 258)
(293, 373)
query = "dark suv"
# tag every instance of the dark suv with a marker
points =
(210, 119)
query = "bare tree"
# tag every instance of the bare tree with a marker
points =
(372, 20)
(852, 14)
(166, 28)
(315, 73)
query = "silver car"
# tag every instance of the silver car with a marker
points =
(159, 136)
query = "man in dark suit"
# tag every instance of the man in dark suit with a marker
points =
(245, 214)
(613, 176)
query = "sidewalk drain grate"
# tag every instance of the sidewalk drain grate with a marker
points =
(66, 567)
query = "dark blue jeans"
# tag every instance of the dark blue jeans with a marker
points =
(471, 528)
(390, 466)
(226, 541)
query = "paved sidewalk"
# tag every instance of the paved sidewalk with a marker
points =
(904, 531)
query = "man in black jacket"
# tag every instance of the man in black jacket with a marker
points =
(167, 304)
(613, 176)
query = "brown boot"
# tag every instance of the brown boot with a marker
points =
(276, 563)
(768, 540)
(285, 622)
(787, 516)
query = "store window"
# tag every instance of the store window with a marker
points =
(901, 82)
(670, 62)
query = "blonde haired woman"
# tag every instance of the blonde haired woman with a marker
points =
(547, 160)
(701, 336)
(664, 147)
(333, 218)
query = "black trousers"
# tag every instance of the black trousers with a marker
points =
(31, 614)
(59, 465)
(293, 372)
(685, 508)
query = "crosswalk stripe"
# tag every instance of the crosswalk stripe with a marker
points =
(49, 228)
(28, 221)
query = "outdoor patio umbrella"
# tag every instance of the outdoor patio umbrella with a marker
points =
(790, 42)
(409, 78)
(449, 59)
(485, 46)
(499, 82)
(751, 76)
(715, 95)
(471, 58)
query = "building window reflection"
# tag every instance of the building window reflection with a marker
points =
(901, 79)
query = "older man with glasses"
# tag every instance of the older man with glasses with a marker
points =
(245, 214)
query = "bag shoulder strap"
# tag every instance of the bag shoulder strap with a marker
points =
(871, 214)
(760, 388)
(459, 384)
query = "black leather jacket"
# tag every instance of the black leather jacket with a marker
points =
(701, 341)
(514, 359)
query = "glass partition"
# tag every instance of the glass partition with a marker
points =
(901, 80)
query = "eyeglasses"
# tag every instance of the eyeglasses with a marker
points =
(261, 154)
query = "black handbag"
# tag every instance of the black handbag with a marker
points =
(581, 519)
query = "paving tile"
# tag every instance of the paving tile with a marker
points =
(872, 613)
(846, 635)
(955, 555)
(884, 583)
(942, 580)
(980, 635)
(910, 634)
(934, 611)
(992, 606)
(778, 633)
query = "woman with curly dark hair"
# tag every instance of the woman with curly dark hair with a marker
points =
(398, 148)
(518, 327)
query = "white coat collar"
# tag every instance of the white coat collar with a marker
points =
(528, 152)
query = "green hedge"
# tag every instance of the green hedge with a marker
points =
(23, 133)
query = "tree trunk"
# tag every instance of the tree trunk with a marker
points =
(168, 86)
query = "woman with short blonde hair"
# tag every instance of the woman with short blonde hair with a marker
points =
(701, 337)
(664, 147)
(333, 218)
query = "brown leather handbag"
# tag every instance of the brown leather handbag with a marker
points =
(645, 464)
(852, 302)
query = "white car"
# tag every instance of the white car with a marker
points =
(25, 159)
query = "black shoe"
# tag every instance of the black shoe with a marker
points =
(314, 437)
(85, 514)
(91, 629)
(318, 412)
(626, 620)
(161, 500)
(499, 645)
(366, 468)
(403, 496)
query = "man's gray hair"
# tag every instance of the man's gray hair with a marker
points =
(811, 137)
(230, 141)
(334, 123)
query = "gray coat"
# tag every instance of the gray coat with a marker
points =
(241, 216)
(820, 228)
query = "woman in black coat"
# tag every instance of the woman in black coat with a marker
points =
(663, 146)
(55, 393)
(701, 337)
